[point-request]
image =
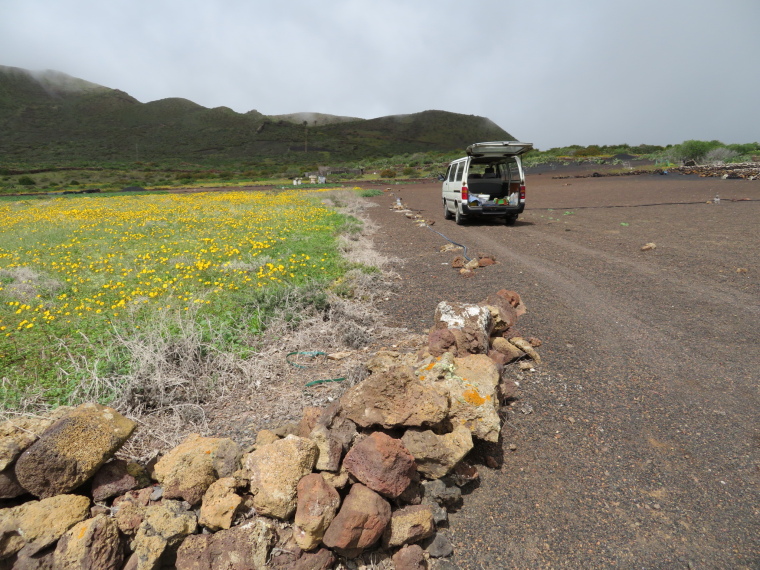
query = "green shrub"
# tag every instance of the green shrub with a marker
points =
(408, 171)
(26, 181)
(388, 173)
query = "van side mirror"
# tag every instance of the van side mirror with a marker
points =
(441, 177)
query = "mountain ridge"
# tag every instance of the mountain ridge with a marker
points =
(53, 117)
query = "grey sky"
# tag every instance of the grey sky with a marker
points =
(553, 73)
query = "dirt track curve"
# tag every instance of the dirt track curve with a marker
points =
(638, 439)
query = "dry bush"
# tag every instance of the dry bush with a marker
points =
(26, 283)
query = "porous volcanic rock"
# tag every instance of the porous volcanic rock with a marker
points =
(163, 529)
(317, 504)
(470, 384)
(116, 478)
(242, 547)
(436, 455)
(469, 321)
(408, 525)
(394, 398)
(382, 463)
(35, 525)
(187, 471)
(18, 434)
(275, 471)
(220, 503)
(360, 522)
(72, 449)
(92, 543)
(410, 557)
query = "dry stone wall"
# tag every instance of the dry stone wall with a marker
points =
(375, 472)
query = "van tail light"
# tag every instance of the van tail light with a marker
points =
(522, 192)
(465, 193)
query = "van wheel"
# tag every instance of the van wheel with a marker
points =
(511, 219)
(447, 215)
(458, 217)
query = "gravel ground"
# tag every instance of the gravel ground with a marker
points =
(636, 443)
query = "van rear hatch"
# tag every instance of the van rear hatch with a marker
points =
(498, 148)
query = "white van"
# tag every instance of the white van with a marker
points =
(489, 181)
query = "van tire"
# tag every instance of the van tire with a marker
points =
(458, 217)
(447, 215)
(511, 219)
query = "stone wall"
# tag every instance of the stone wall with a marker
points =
(370, 477)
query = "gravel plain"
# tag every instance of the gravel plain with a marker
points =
(636, 442)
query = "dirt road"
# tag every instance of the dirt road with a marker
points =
(638, 439)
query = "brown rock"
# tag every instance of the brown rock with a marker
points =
(309, 418)
(322, 559)
(360, 522)
(317, 504)
(275, 471)
(36, 525)
(220, 504)
(130, 510)
(436, 455)
(410, 524)
(72, 449)
(410, 558)
(265, 437)
(441, 340)
(93, 543)
(187, 471)
(394, 398)
(506, 348)
(458, 262)
(9, 486)
(244, 547)
(513, 299)
(116, 478)
(382, 463)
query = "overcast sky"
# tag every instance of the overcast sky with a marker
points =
(554, 73)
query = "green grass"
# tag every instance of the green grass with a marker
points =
(80, 274)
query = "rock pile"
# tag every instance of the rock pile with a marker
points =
(378, 470)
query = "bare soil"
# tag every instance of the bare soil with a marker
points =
(636, 443)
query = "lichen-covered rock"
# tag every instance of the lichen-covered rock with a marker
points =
(163, 529)
(187, 471)
(472, 323)
(317, 504)
(93, 543)
(436, 455)
(129, 510)
(392, 398)
(36, 525)
(360, 522)
(244, 547)
(408, 525)
(72, 449)
(471, 386)
(330, 449)
(382, 463)
(220, 503)
(275, 471)
(18, 434)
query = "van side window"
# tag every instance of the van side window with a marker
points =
(460, 171)
(452, 172)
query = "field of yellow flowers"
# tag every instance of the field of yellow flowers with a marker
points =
(75, 269)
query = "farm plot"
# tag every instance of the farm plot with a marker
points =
(77, 274)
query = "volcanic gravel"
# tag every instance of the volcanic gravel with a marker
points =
(636, 443)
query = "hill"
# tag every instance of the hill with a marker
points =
(55, 118)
